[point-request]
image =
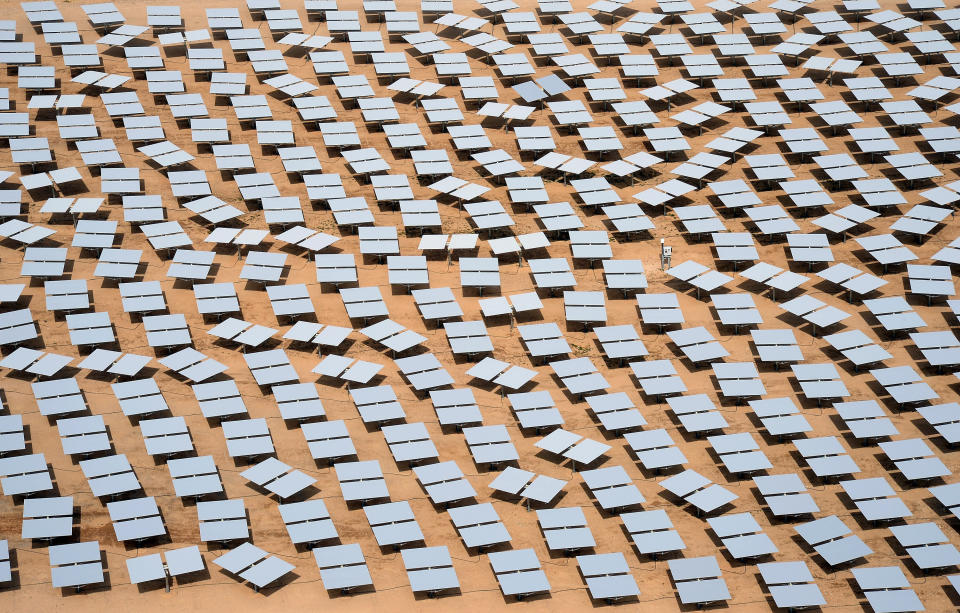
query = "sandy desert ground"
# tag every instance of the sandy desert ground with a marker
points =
(303, 589)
